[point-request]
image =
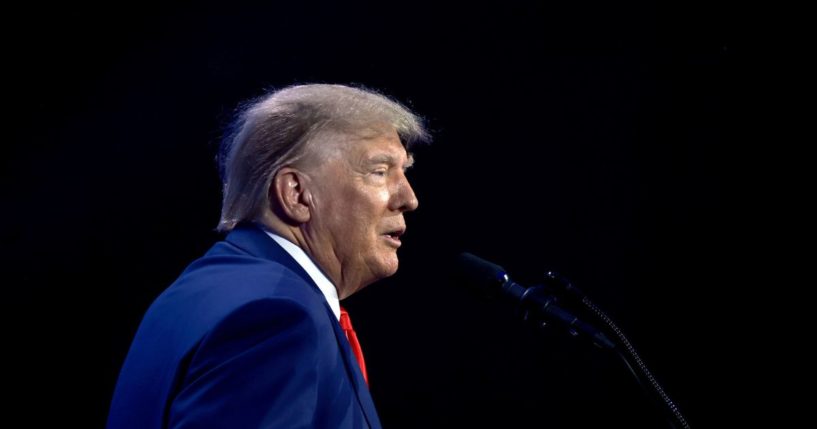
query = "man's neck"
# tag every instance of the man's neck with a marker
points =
(312, 269)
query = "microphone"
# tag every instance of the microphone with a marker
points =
(491, 279)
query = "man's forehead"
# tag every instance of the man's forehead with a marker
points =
(386, 148)
(383, 148)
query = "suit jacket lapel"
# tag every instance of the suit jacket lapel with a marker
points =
(255, 241)
(353, 369)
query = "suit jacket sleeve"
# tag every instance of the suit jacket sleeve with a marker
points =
(256, 368)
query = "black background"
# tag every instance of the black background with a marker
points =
(592, 139)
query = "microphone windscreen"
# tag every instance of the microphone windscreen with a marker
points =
(479, 273)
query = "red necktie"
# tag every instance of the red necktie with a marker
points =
(346, 325)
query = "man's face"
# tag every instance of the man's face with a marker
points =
(359, 195)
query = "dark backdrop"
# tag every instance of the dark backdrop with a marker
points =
(588, 139)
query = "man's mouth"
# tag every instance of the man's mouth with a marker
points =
(394, 236)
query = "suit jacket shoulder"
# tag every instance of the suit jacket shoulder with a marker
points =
(243, 338)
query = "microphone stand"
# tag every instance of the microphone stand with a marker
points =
(623, 348)
(538, 303)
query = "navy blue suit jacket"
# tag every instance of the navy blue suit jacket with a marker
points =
(242, 339)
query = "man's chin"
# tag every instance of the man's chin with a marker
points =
(387, 266)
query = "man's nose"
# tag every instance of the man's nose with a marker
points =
(405, 199)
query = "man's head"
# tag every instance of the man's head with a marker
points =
(324, 166)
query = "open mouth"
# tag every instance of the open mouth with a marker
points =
(395, 235)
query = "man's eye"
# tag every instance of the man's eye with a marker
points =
(379, 173)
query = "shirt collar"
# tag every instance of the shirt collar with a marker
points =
(320, 279)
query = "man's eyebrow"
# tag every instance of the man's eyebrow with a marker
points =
(390, 160)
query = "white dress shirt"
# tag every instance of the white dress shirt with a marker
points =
(324, 284)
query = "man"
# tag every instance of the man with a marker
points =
(250, 335)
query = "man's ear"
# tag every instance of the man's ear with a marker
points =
(289, 197)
